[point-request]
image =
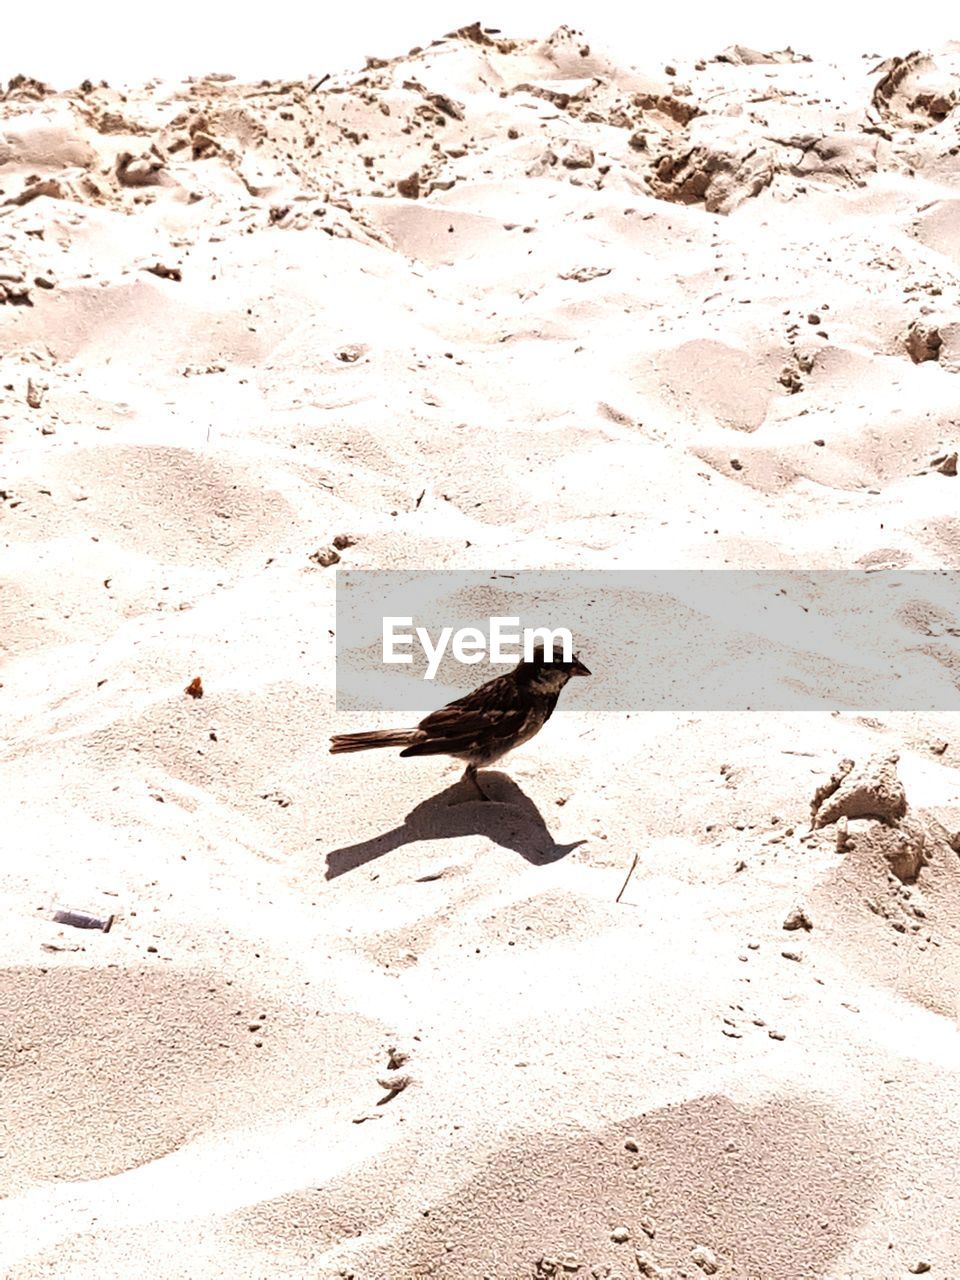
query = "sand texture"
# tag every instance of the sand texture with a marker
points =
(491, 304)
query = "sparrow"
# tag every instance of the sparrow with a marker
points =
(484, 725)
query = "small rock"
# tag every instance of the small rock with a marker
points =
(873, 791)
(705, 1259)
(620, 1235)
(35, 187)
(326, 557)
(776, 1035)
(584, 274)
(792, 955)
(631, 1145)
(939, 747)
(923, 342)
(35, 392)
(145, 170)
(579, 156)
(165, 272)
(648, 1267)
(410, 186)
(393, 1084)
(948, 467)
(15, 291)
(843, 834)
(798, 919)
(919, 1268)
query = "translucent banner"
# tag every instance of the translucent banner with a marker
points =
(697, 640)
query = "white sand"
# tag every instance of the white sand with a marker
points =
(563, 361)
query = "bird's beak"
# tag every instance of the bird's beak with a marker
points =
(578, 668)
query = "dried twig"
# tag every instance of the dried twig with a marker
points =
(633, 867)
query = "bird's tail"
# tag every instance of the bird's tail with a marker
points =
(372, 738)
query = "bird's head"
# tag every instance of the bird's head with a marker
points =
(548, 676)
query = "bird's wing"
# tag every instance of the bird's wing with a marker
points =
(490, 713)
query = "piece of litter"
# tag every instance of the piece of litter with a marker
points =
(81, 920)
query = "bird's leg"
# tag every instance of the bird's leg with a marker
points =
(470, 773)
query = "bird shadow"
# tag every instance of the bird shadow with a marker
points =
(510, 819)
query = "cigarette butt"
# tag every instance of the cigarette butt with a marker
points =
(81, 920)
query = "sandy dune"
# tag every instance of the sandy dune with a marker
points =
(489, 304)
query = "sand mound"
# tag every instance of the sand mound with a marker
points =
(659, 1190)
(108, 1070)
(55, 140)
(719, 175)
(897, 888)
(914, 90)
(712, 379)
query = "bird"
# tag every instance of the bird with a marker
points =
(485, 724)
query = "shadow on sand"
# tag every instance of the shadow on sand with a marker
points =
(511, 820)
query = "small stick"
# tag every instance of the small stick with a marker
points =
(633, 867)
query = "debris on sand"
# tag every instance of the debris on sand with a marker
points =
(145, 170)
(409, 186)
(873, 791)
(797, 918)
(14, 289)
(904, 847)
(582, 275)
(873, 798)
(325, 557)
(393, 1084)
(719, 176)
(34, 187)
(82, 920)
(165, 272)
(648, 1268)
(705, 1259)
(740, 55)
(923, 342)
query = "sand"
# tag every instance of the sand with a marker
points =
(488, 304)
